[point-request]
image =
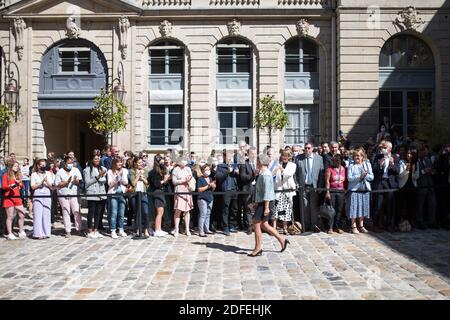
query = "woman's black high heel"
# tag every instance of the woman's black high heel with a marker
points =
(259, 253)
(286, 242)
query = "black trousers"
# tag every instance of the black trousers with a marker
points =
(96, 209)
(167, 220)
(386, 202)
(337, 201)
(428, 197)
(244, 214)
(229, 212)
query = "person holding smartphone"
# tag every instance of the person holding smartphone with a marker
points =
(67, 181)
(264, 202)
(12, 185)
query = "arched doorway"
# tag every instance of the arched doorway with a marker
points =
(72, 74)
(407, 84)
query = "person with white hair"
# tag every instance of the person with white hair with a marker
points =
(264, 203)
(181, 176)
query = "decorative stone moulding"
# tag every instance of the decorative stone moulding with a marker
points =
(124, 25)
(73, 31)
(165, 28)
(303, 27)
(316, 3)
(234, 2)
(234, 27)
(160, 3)
(19, 28)
(409, 19)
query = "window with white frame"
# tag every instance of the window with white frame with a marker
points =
(234, 56)
(166, 58)
(233, 122)
(301, 55)
(303, 124)
(165, 124)
(74, 60)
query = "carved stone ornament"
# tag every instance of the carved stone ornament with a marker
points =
(124, 25)
(303, 27)
(165, 28)
(19, 27)
(72, 29)
(234, 27)
(409, 19)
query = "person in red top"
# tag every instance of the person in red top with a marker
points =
(12, 186)
(335, 177)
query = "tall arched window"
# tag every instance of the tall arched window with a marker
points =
(407, 81)
(166, 83)
(234, 91)
(302, 91)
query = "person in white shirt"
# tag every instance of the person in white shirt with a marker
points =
(67, 181)
(25, 170)
(42, 185)
(117, 186)
(284, 180)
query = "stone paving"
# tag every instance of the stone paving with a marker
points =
(318, 266)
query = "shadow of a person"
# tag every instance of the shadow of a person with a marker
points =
(223, 247)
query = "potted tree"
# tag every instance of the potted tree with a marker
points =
(108, 115)
(270, 115)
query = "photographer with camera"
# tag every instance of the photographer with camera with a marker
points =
(386, 168)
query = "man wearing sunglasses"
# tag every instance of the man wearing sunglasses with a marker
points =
(310, 175)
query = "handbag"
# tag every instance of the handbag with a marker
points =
(192, 185)
(326, 211)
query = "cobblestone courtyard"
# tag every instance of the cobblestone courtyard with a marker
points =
(319, 266)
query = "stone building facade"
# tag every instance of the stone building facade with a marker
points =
(194, 69)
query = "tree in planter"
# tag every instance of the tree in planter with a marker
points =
(270, 115)
(108, 115)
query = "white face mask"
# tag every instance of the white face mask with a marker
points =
(207, 173)
(70, 166)
(184, 163)
(383, 129)
(384, 151)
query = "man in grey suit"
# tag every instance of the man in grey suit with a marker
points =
(309, 175)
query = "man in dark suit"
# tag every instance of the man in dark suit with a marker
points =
(425, 192)
(226, 177)
(385, 168)
(310, 175)
(247, 174)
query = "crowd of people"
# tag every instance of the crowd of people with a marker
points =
(396, 187)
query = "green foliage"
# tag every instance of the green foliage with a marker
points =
(108, 115)
(270, 115)
(434, 130)
(6, 115)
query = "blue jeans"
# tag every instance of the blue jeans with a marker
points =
(25, 191)
(144, 206)
(205, 213)
(117, 211)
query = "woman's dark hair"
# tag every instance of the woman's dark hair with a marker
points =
(114, 163)
(91, 161)
(203, 168)
(413, 154)
(158, 170)
(36, 164)
(135, 161)
(337, 158)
